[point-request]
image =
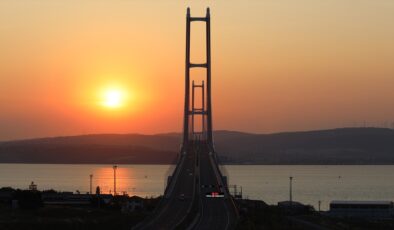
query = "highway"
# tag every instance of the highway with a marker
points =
(215, 212)
(177, 201)
(198, 176)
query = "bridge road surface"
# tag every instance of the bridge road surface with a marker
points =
(215, 213)
(173, 209)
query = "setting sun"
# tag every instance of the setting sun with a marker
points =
(113, 98)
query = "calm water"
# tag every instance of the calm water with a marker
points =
(268, 183)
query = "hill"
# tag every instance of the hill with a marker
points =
(336, 146)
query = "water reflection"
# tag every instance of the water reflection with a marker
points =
(268, 183)
(105, 179)
(140, 180)
(131, 180)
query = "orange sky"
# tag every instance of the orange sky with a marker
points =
(277, 65)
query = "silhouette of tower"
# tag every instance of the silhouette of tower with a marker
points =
(191, 113)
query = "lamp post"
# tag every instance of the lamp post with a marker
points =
(291, 190)
(319, 204)
(115, 167)
(91, 178)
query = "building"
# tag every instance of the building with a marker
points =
(32, 186)
(372, 209)
(132, 204)
(66, 198)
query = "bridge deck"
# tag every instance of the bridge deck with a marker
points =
(215, 213)
(173, 209)
(198, 176)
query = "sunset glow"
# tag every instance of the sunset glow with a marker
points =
(288, 66)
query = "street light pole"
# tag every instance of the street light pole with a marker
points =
(319, 204)
(115, 167)
(91, 177)
(291, 190)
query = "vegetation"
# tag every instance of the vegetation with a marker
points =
(61, 217)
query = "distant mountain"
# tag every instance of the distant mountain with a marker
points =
(96, 148)
(336, 146)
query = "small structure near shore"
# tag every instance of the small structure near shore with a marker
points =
(65, 198)
(362, 209)
(132, 204)
(32, 186)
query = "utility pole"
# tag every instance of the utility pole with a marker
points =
(115, 167)
(291, 191)
(91, 178)
(319, 204)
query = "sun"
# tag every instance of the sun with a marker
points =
(113, 98)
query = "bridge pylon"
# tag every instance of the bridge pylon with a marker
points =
(191, 131)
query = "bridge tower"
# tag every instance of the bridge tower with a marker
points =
(191, 113)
